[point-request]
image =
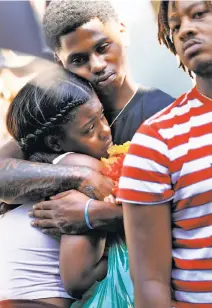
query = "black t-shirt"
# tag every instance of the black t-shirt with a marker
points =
(145, 103)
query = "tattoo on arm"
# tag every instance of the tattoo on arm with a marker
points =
(89, 191)
(21, 181)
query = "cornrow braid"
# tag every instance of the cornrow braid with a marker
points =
(27, 142)
(43, 105)
(164, 32)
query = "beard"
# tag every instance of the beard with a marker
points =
(204, 69)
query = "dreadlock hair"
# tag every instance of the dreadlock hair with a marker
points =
(164, 33)
(65, 16)
(42, 106)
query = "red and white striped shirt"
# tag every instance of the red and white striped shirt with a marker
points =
(170, 158)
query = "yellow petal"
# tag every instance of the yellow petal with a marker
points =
(119, 149)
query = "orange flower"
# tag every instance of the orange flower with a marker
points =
(113, 164)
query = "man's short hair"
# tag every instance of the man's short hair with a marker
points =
(65, 16)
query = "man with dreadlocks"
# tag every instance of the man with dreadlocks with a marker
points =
(89, 40)
(166, 183)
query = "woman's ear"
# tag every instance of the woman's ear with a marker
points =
(53, 142)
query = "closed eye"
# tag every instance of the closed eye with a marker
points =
(89, 130)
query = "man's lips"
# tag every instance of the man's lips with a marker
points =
(105, 79)
(191, 46)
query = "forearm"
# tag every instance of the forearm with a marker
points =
(21, 181)
(148, 235)
(105, 216)
(97, 273)
(100, 270)
(85, 254)
(151, 294)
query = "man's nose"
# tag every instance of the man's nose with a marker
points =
(97, 63)
(187, 29)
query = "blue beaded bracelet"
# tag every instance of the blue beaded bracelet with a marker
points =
(86, 214)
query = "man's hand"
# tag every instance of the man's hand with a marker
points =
(63, 214)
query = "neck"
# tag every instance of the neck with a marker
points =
(118, 98)
(204, 85)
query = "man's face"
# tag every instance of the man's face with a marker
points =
(95, 51)
(191, 27)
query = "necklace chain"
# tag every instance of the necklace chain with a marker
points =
(118, 115)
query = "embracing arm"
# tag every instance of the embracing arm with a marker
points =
(64, 213)
(148, 234)
(21, 181)
(82, 262)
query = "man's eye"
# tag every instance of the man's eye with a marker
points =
(103, 48)
(175, 28)
(78, 61)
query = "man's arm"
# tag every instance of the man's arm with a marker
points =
(148, 234)
(64, 214)
(21, 181)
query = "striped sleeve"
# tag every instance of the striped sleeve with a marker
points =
(145, 177)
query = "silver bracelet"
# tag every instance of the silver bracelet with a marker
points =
(86, 214)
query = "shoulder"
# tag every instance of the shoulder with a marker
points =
(76, 159)
(153, 93)
(164, 121)
(155, 100)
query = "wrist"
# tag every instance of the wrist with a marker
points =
(104, 215)
(86, 214)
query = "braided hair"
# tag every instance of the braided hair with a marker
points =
(164, 33)
(42, 106)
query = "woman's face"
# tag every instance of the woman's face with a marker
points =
(89, 132)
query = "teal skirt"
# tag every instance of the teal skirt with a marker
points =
(116, 290)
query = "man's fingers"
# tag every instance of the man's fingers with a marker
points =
(40, 214)
(44, 205)
(42, 224)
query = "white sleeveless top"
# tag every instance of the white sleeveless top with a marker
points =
(29, 259)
